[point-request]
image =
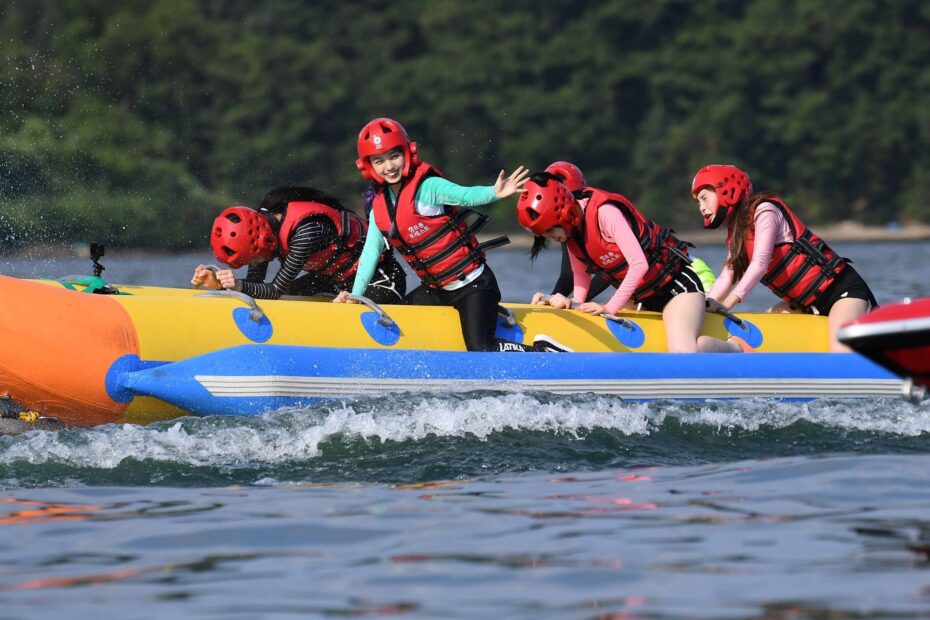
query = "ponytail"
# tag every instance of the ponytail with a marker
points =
(277, 199)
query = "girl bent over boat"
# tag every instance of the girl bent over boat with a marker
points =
(420, 214)
(571, 175)
(607, 235)
(306, 230)
(767, 242)
(574, 180)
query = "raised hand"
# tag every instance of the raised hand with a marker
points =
(506, 186)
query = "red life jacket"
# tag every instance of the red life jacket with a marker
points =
(666, 255)
(801, 270)
(439, 248)
(338, 260)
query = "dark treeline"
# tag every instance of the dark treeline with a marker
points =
(134, 122)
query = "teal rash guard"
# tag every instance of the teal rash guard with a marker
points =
(431, 197)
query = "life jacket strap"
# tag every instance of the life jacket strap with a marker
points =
(490, 244)
(814, 257)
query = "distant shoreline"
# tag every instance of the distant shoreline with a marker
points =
(843, 232)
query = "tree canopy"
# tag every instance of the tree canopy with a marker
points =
(135, 122)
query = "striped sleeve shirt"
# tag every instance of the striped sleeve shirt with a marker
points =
(311, 235)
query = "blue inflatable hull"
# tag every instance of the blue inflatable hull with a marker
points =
(254, 379)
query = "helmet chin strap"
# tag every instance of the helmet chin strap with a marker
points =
(718, 218)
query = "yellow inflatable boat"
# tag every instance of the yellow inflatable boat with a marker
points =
(149, 353)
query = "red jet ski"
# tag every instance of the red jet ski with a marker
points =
(896, 336)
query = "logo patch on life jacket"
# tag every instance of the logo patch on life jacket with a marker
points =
(417, 230)
(610, 257)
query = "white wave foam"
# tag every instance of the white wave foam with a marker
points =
(886, 416)
(483, 415)
(297, 434)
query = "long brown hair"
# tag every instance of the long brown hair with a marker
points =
(741, 222)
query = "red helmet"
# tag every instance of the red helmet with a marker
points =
(570, 173)
(241, 234)
(542, 207)
(380, 136)
(731, 185)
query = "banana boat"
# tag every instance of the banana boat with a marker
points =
(146, 353)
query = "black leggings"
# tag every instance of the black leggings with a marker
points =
(477, 304)
(387, 286)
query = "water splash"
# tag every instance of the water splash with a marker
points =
(435, 425)
(297, 434)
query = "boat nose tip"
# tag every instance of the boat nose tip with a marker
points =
(58, 346)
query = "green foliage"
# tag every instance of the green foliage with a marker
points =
(135, 122)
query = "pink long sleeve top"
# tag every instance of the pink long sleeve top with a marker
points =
(614, 229)
(771, 229)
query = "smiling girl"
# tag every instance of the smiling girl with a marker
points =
(424, 217)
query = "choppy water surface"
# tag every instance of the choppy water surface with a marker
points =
(478, 505)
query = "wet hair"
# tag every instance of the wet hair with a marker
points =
(740, 224)
(539, 244)
(543, 178)
(276, 200)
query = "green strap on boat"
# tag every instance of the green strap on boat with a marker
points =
(92, 284)
(705, 273)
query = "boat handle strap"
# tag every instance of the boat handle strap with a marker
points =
(255, 314)
(383, 318)
(509, 318)
(619, 320)
(212, 268)
(729, 315)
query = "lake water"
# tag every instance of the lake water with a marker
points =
(480, 505)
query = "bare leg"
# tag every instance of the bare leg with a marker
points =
(842, 312)
(683, 317)
(783, 307)
(709, 344)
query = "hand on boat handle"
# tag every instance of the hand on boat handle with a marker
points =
(344, 297)
(556, 301)
(540, 299)
(256, 314)
(712, 305)
(383, 318)
(198, 280)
